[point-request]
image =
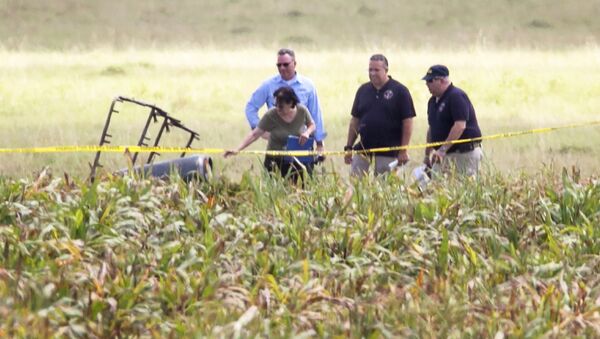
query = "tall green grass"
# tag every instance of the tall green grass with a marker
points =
(512, 255)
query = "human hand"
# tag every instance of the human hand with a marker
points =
(348, 159)
(266, 135)
(403, 157)
(438, 156)
(348, 155)
(230, 153)
(320, 150)
(303, 138)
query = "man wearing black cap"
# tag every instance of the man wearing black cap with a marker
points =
(451, 116)
(382, 115)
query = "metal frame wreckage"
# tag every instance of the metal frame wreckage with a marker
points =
(197, 166)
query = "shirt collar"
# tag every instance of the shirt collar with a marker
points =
(295, 79)
(387, 83)
(451, 86)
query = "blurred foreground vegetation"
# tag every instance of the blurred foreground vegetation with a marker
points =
(515, 255)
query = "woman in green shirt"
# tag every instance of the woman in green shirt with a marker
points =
(287, 118)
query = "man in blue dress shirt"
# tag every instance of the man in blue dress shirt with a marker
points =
(304, 88)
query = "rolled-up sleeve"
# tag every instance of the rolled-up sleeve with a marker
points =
(315, 112)
(257, 100)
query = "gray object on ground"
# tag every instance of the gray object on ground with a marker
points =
(189, 168)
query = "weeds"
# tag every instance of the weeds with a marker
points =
(370, 257)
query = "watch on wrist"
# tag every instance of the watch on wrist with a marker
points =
(347, 148)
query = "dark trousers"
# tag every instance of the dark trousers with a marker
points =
(287, 169)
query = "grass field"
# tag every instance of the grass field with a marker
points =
(314, 24)
(514, 253)
(525, 64)
(56, 98)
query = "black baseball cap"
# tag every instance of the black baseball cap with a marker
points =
(436, 71)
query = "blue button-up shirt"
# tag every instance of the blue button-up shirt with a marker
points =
(305, 90)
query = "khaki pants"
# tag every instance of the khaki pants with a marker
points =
(463, 163)
(361, 164)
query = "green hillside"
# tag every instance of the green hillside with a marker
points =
(33, 24)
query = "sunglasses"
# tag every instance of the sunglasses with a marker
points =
(431, 80)
(284, 64)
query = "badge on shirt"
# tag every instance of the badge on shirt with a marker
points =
(388, 94)
(441, 108)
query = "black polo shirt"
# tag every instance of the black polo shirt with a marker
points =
(381, 113)
(453, 105)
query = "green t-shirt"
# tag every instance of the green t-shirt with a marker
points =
(280, 130)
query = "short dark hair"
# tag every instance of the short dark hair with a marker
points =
(380, 57)
(287, 95)
(288, 51)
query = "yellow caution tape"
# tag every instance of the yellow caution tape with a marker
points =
(148, 149)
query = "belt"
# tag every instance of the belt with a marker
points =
(464, 148)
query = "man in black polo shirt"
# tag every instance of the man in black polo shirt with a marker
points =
(382, 115)
(451, 116)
